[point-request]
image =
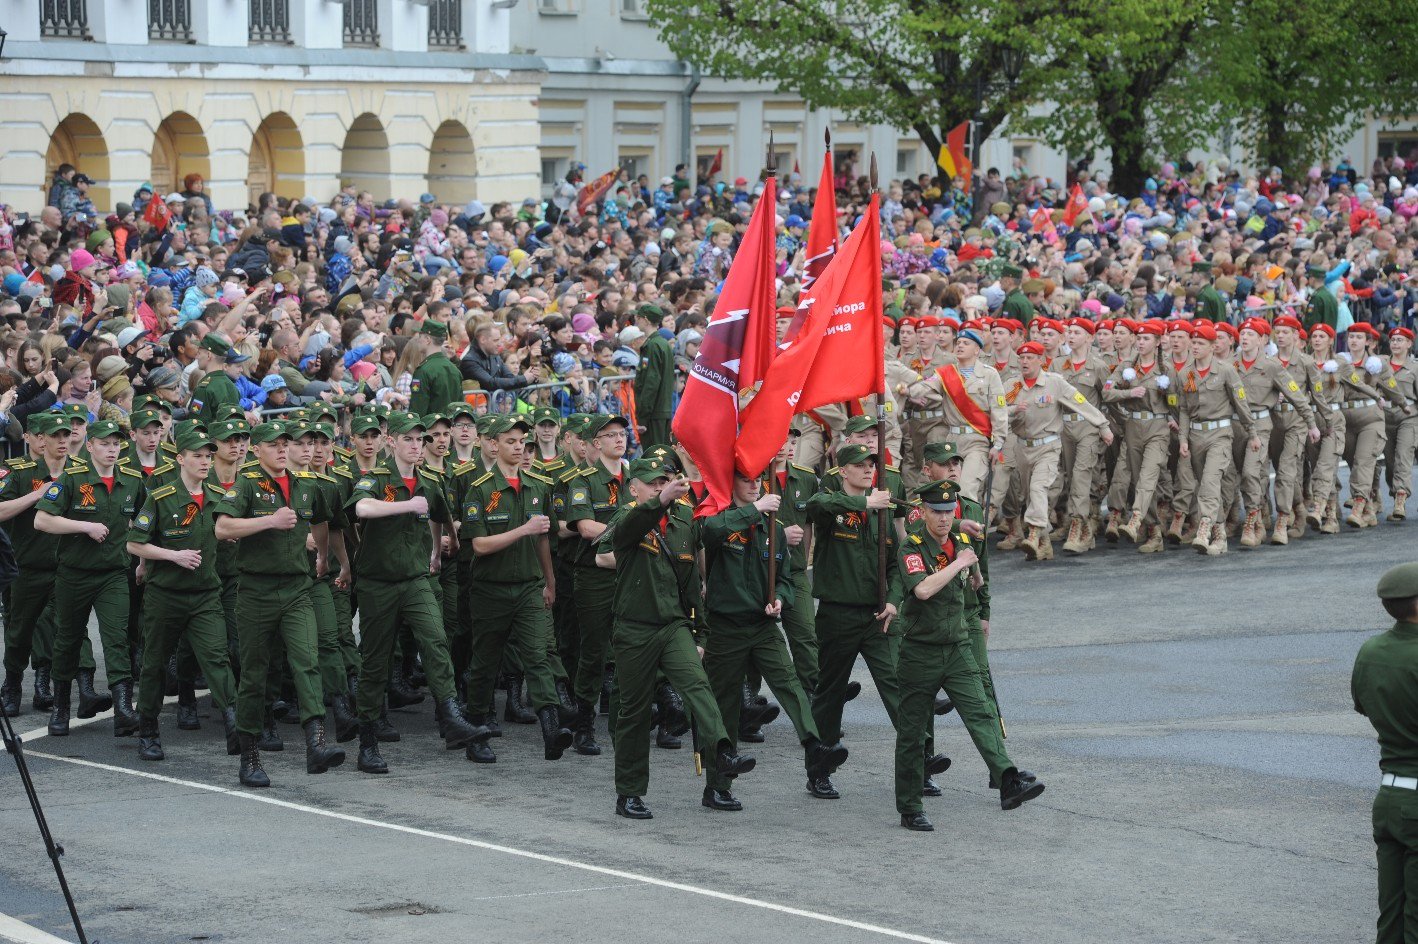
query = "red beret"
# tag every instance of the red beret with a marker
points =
(1224, 328)
(1288, 321)
(1049, 323)
(1203, 329)
(887, 322)
(1363, 327)
(1031, 347)
(1181, 325)
(1323, 327)
(1125, 324)
(1401, 333)
(1152, 327)
(948, 322)
(975, 325)
(1258, 325)
(1106, 324)
(1083, 323)
(1009, 324)
(1304, 335)
(787, 311)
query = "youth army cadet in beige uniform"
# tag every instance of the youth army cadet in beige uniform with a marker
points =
(982, 387)
(1083, 446)
(1363, 381)
(1288, 445)
(921, 423)
(1138, 389)
(1402, 429)
(1037, 422)
(1323, 509)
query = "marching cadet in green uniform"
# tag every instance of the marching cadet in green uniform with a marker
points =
(654, 379)
(657, 587)
(851, 618)
(89, 507)
(1210, 306)
(1324, 307)
(437, 382)
(1016, 303)
(217, 390)
(465, 432)
(175, 533)
(506, 517)
(1385, 690)
(568, 546)
(437, 448)
(935, 653)
(274, 513)
(29, 621)
(144, 451)
(861, 431)
(742, 626)
(797, 484)
(593, 498)
(402, 511)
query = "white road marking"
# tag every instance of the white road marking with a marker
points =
(259, 797)
(16, 931)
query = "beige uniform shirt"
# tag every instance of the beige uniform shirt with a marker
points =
(1304, 371)
(1118, 389)
(1087, 377)
(1044, 405)
(1267, 381)
(1207, 396)
(982, 385)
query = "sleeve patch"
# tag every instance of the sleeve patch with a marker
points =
(1080, 398)
(365, 484)
(1001, 401)
(143, 522)
(1171, 399)
(1240, 392)
(53, 492)
(470, 512)
(915, 564)
(1294, 387)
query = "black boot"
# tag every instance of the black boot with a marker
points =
(722, 800)
(490, 717)
(584, 741)
(454, 728)
(125, 719)
(187, 719)
(478, 751)
(12, 693)
(346, 724)
(252, 773)
(400, 694)
(672, 714)
(353, 682)
(460, 685)
(149, 741)
(823, 788)
(319, 756)
(632, 807)
(567, 701)
(731, 765)
(823, 759)
(59, 714)
(917, 822)
(853, 690)
(43, 697)
(414, 673)
(270, 739)
(1016, 787)
(369, 760)
(555, 738)
(514, 710)
(388, 734)
(90, 701)
(233, 741)
(667, 741)
(943, 705)
(929, 788)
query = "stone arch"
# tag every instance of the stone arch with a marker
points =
(452, 165)
(277, 160)
(179, 148)
(364, 158)
(79, 141)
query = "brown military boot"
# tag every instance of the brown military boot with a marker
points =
(1111, 531)
(1189, 533)
(1174, 530)
(1132, 528)
(1013, 535)
(1265, 521)
(1252, 530)
(1033, 538)
(1372, 507)
(1357, 516)
(1090, 533)
(1203, 535)
(1077, 540)
(1314, 515)
(1399, 512)
(1331, 517)
(1217, 546)
(1062, 529)
(1295, 522)
(1154, 543)
(1282, 530)
(1046, 547)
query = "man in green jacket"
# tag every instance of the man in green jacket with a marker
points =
(1016, 303)
(1324, 307)
(437, 382)
(217, 389)
(1210, 306)
(654, 379)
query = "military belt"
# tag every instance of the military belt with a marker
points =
(1042, 441)
(959, 430)
(1210, 424)
(1071, 417)
(1144, 415)
(1260, 414)
(1403, 783)
(924, 414)
(1284, 407)
(1359, 404)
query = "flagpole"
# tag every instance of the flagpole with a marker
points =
(772, 167)
(884, 516)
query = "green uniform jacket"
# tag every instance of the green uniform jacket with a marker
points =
(655, 379)
(1018, 306)
(656, 579)
(798, 484)
(1210, 306)
(977, 602)
(436, 383)
(844, 551)
(215, 391)
(397, 548)
(568, 549)
(1324, 309)
(34, 550)
(941, 619)
(831, 481)
(256, 495)
(171, 519)
(491, 506)
(595, 495)
(1385, 689)
(80, 494)
(736, 562)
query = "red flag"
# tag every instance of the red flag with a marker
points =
(717, 165)
(595, 190)
(739, 344)
(838, 354)
(821, 240)
(1077, 203)
(156, 213)
(953, 159)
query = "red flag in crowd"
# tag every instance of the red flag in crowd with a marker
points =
(1077, 203)
(739, 344)
(821, 239)
(952, 158)
(155, 213)
(717, 165)
(595, 189)
(838, 354)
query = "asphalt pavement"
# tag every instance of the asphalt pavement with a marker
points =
(1208, 780)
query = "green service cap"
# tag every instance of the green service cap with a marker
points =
(405, 423)
(434, 329)
(1399, 582)
(938, 496)
(1011, 272)
(859, 424)
(851, 455)
(269, 432)
(364, 423)
(192, 440)
(140, 418)
(456, 410)
(75, 411)
(647, 470)
(939, 452)
(499, 423)
(227, 429)
(47, 424)
(546, 414)
(105, 428)
(595, 422)
(1201, 265)
(149, 401)
(216, 345)
(1315, 272)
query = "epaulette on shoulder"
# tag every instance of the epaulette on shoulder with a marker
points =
(164, 469)
(343, 472)
(168, 447)
(463, 468)
(20, 463)
(215, 488)
(893, 468)
(164, 492)
(254, 475)
(344, 453)
(915, 538)
(323, 477)
(250, 464)
(427, 472)
(76, 466)
(802, 468)
(551, 465)
(306, 475)
(137, 474)
(378, 470)
(569, 474)
(481, 479)
(537, 478)
(833, 471)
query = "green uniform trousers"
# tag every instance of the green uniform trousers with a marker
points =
(29, 624)
(1396, 839)
(563, 611)
(923, 669)
(735, 646)
(509, 619)
(644, 654)
(595, 591)
(344, 625)
(799, 627)
(77, 593)
(197, 617)
(276, 607)
(460, 633)
(327, 639)
(231, 599)
(845, 632)
(385, 607)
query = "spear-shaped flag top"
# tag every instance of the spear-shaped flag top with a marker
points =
(821, 239)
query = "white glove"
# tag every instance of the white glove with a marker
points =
(1373, 365)
(1065, 349)
(1163, 382)
(1344, 356)
(1129, 374)
(1331, 367)
(1271, 350)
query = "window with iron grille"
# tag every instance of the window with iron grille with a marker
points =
(361, 23)
(170, 20)
(64, 19)
(445, 24)
(270, 21)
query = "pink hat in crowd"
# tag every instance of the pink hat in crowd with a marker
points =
(1093, 305)
(80, 259)
(583, 324)
(361, 370)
